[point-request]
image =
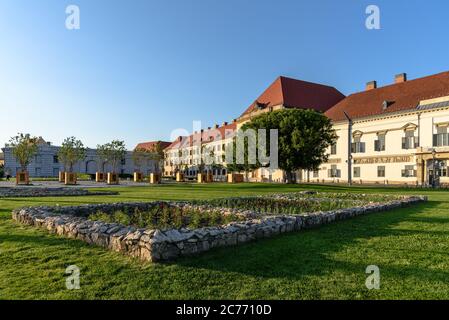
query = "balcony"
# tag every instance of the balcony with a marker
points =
(441, 140)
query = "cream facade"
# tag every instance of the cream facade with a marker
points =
(398, 148)
(397, 134)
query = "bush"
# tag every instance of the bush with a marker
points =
(164, 216)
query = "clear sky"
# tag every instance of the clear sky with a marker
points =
(137, 69)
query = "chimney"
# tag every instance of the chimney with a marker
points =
(235, 120)
(224, 124)
(371, 85)
(399, 78)
(208, 128)
(216, 126)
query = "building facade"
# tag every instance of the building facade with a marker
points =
(396, 134)
(185, 153)
(46, 162)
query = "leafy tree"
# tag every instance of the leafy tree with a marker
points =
(24, 148)
(115, 151)
(102, 154)
(140, 155)
(303, 139)
(158, 155)
(71, 151)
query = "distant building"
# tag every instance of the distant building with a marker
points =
(46, 162)
(2, 159)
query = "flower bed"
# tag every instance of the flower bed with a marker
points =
(161, 230)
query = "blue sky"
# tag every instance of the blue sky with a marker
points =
(138, 69)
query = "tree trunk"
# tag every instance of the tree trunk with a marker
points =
(290, 177)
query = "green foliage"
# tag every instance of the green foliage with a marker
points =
(140, 156)
(102, 154)
(157, 154)
(24, 148)
(303, 138)
(2, 171)
(71, 151)
(165, 216)
(112, 152)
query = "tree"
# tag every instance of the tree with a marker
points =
(115, 151)
(140, 155)
(102, 154)
(158, 155)
(24, 148)
(71, 151)
(303, 139)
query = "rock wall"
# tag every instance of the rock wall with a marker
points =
(157, 245)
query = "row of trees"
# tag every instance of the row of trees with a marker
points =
(25, 148)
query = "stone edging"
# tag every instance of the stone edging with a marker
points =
(28, 192)
(157, 245)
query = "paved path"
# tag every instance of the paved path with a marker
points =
(81, 184)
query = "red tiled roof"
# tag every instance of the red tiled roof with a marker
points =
(400, 96)
(297, 94)
(208, 135)
(150, 145)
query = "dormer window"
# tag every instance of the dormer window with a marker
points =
(386, 104)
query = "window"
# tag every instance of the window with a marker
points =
(356, 172)
(410, 141)
(316, 173)
(334, 148)
(357, 146)
(123, 162)
(379, 144)
(55, 159)
(408, 171)
(334, 172)
(441, 138)
(381, 171)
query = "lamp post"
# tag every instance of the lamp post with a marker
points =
(433, 168)
(349, 160)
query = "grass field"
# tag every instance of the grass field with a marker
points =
(410, 246)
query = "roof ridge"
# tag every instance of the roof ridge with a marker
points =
(401, 83)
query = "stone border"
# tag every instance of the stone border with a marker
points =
(160, 245)
(31, 192)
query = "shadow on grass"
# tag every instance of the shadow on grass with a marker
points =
(311, 252)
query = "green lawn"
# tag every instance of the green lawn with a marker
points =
(410, 246)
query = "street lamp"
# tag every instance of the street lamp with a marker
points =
(433, 166)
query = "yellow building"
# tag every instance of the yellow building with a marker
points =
(396, 134)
